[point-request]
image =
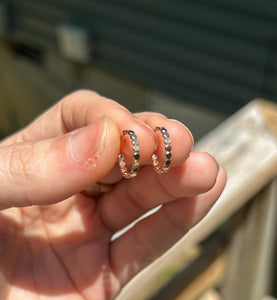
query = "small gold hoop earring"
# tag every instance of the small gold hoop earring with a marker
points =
(135, 165)
(168, 155)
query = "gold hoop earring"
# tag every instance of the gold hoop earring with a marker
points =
(168, 155)
(135, 165)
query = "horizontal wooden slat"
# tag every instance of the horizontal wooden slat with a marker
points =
(205, 51)
(207, 16)
(265, 9)
(189, 59)
(184, 93)
(174, 73)
(95, 14)
(166, 70)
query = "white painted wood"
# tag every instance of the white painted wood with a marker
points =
(247, 149)
(248, 274)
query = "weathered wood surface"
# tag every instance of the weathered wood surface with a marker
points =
(198, 275)
(246, 145)
(251, 254)
(207, 279)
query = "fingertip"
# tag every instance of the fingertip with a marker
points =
(208, 167)
(145, 137)
(181, 138)
(182, 141)
(185, 130)
(197, 175)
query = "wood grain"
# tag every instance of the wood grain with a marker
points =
(246, 146)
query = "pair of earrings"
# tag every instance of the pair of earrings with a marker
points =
(156, 164)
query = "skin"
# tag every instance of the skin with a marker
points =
(56, 239)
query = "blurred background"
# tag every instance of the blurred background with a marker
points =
(195, 62)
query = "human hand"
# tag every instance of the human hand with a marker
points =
(55, 238)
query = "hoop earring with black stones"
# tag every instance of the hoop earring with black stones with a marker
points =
(135, 165)
(167, 142)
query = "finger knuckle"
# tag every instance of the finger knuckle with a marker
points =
(20, 163)
(84, 93)
(176, 220)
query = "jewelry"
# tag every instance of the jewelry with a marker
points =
(136, 156)
(167, 142)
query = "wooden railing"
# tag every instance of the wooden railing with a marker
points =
(230, 253)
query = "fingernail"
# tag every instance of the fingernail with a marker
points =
(88, 142)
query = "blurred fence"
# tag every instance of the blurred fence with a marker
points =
(217, 53)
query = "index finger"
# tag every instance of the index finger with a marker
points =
(80, 109)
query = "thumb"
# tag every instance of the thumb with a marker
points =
(48, 171)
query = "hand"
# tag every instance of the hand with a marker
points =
(56, 239)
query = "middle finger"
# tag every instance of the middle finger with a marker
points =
(132, 198)
(180, 137)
